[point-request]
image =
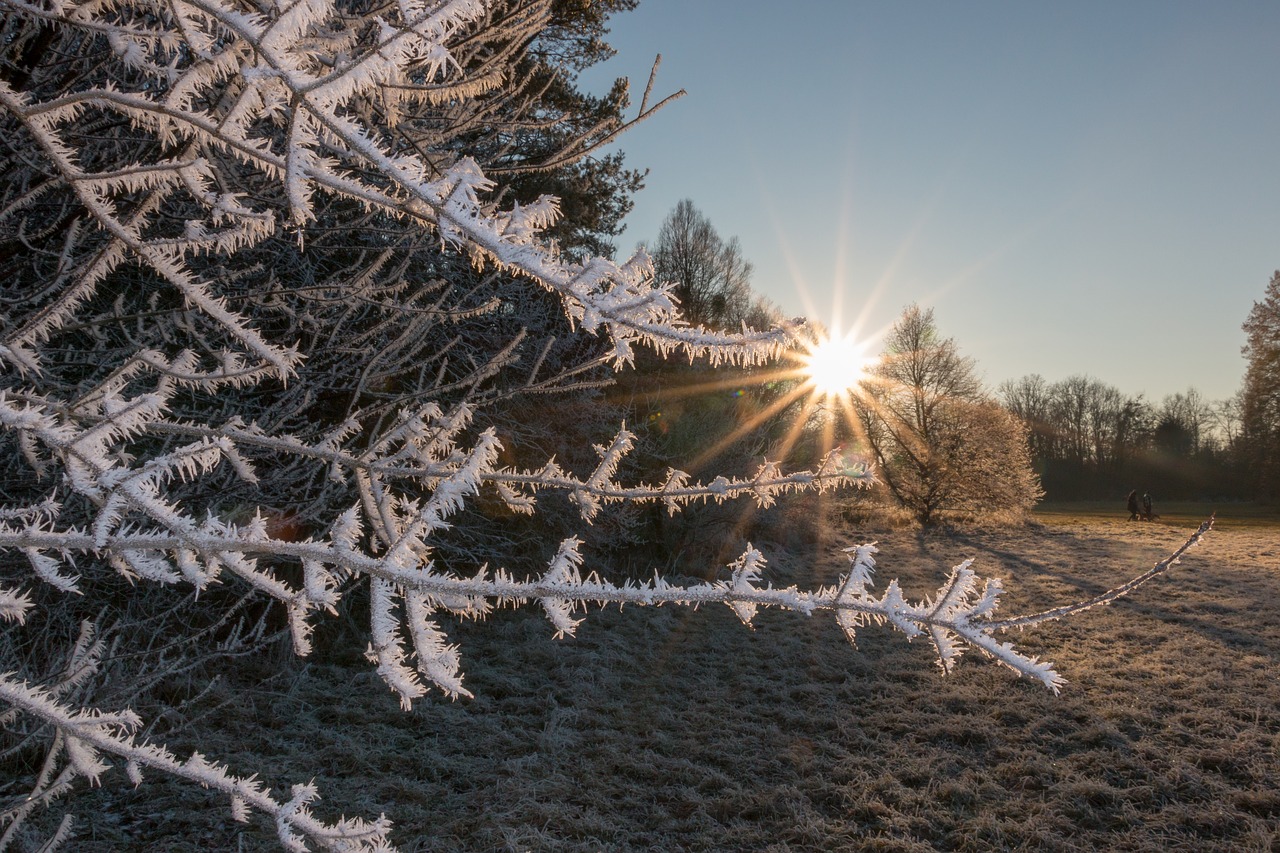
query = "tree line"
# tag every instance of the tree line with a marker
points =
(1091, 441)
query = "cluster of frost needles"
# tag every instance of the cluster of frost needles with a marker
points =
(235, 121)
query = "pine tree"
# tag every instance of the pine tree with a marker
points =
(1260, 409)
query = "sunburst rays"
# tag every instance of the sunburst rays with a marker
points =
(835, 365)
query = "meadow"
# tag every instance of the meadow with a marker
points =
(670, 729)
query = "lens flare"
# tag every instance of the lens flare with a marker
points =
(836, 365)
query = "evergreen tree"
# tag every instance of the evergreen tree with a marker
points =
(1260, 409)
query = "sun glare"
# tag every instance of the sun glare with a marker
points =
(835, 365)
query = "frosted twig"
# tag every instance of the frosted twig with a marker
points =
(88, 733)
(1111, 594)
(960, 610)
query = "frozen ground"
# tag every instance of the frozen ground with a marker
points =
(679, 730)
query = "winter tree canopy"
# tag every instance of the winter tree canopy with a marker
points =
(939, 442)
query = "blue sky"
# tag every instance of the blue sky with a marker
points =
(1074, 188)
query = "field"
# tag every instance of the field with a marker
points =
(677, 730)
(1230, 515)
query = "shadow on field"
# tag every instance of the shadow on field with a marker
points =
(1200, 585)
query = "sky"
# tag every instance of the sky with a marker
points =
(1074, 188)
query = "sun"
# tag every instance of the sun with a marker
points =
(836, 365)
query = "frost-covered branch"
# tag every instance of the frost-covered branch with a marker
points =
(1110, 595)
(959, 611)
(86, 734)
(518, 488)
(325, 147)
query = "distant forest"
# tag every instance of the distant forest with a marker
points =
(1090, 441)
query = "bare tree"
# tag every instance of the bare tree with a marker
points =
(1226, 418)
(1031, 399)
(939, 442)
(712, 278)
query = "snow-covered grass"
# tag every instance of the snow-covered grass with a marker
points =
(670, 729)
